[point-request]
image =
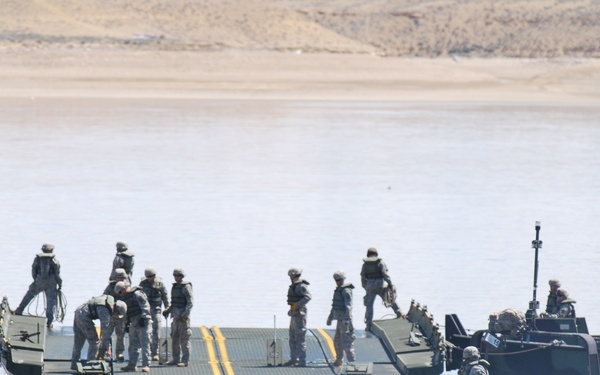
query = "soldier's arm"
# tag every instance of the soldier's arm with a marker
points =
(347, 294)
(105, 332)
(165, 295)
(187, 291)
(302, 290)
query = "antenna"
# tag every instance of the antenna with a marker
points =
(534, 304)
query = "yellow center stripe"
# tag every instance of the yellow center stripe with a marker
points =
(223, 350)
(329, 341)
(210, 348)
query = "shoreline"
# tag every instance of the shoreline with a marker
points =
(265, 75)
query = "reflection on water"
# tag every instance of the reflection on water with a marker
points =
(236, 192)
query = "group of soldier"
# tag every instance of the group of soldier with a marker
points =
(121, 308)
(138, 310)
(376, 282)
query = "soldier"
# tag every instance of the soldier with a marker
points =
(341, 311)
(117, 326)
(157, 296)
(376, 281)
(472, 364)
(552, 303)
(182, 301)
(298, 296)
(45, 271)
(565, 305)
(140, 325)
(107, 310)
(123, 259)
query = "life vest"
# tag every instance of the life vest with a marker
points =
(292, 296)
(104, 300)
(338, 297)
(133, 307)
(552, 303)
(371, 268)
(46, 265)
(566, 308)
(153, 291)
(178, 298)
(127, 258)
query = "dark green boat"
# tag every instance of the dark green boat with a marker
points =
(543, 346)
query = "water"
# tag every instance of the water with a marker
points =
(237, 192)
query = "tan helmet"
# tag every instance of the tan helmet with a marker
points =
(339, 275)
(372, 251)
(120, 273)
(471, 352)
(554, 282)
(562, 292)
(294, 271)
(149, 272)
(179, 272)
(120, 286)
(47, 247)
(120, 309)
(121, 246)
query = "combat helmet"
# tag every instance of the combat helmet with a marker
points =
(149, 272)
(120, 309)
(339, 275)
(372, 251)
(47, 248)
(295, 271)
(554, 282)
(120, 273)
(121, 246)
(179, 272)
(470, 352)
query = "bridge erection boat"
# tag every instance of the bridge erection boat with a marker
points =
(529, 344)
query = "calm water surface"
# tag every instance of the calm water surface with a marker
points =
(237, 192)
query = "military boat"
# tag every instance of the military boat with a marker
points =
(528, 344)
(412, 345)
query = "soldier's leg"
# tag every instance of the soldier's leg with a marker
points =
(120, 333)
(301, 338)
(34, 289)
(369, 300)
(349, 338)
(338, 343)
(78, 340)
(50, 302)
(145, 334)
(293, 340)
(176, 335)
(154, 342)
(134, 343)
(186, 342)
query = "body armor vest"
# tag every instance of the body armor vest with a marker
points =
(177, 297)
(133, 308)
(153, 291)
(104, 300)
(292, 296)
(127, 258)
(371, 268)
(338, 297)
(45, 265)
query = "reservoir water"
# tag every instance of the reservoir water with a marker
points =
(237, 192)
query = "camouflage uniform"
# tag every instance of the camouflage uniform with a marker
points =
(157, 297)
(375, 280)
(182, 302)
(341, 311)
(117, 326)
(298, 296)
(123, 259)
(565, 305)
(552, 303)
(45, 272)
(140, 325)
(472, 364)
(107, 310)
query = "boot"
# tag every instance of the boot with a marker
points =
(291, 362)
(145, 369)
(129, 368)
(337, 363)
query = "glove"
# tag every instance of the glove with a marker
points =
(166, 313)
(142, 322)
(184, 319)
(127, 328)
(294, 307)
(328, 321)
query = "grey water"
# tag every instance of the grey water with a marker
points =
(237, 192)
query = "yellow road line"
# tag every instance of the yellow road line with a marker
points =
(223, 350)
(329, 341)
(210, 348)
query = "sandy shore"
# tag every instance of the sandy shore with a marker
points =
(403, 50)
(277, 75)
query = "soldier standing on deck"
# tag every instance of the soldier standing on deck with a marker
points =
(157, 297)
(45, 272)
(123, 259)
(298, 296)
(117, 325)
(107, 310)
(375, 279)
(140, 325)
(552, 302)
(341, 311)
(182, 301)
